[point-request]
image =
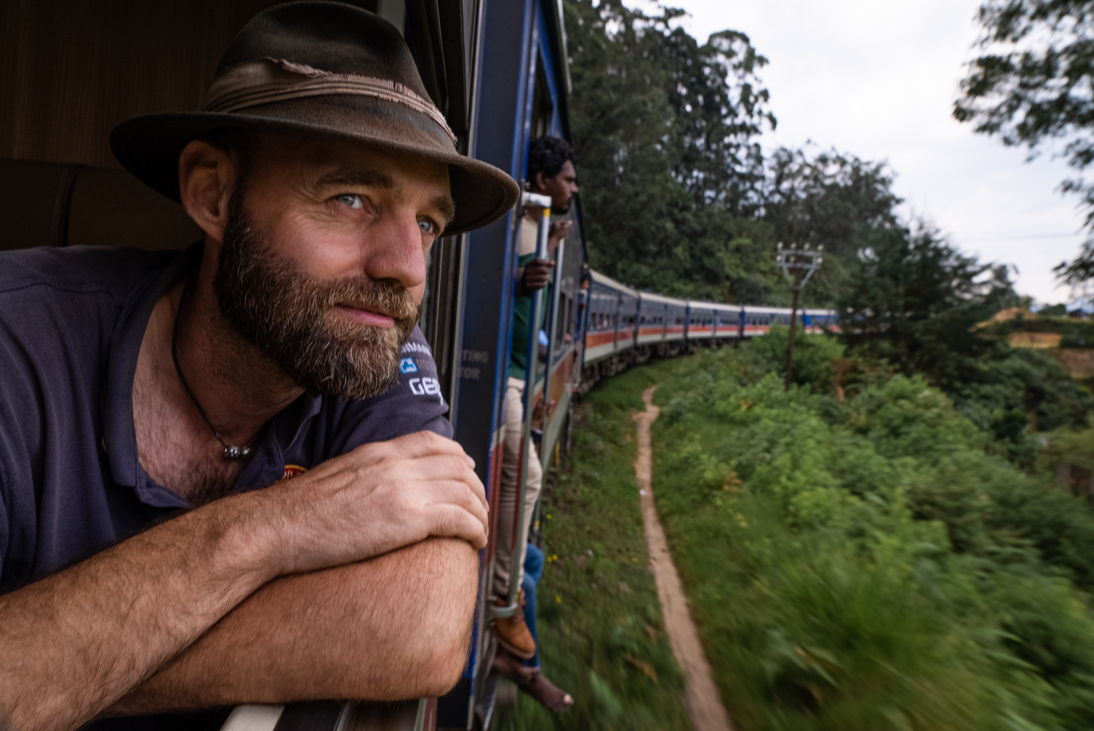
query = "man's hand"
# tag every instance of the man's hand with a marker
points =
(534, 277)
(541, 413)
(559, 231)
(74, 643)
(377, 498)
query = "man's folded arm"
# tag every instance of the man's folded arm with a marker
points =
(76, 641)
(73, 644)
(393, 627)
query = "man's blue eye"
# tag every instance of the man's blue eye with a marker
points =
(351, 201)
(427, 227)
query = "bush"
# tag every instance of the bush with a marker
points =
(870, 563)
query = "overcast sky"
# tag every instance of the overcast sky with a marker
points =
(878, 80)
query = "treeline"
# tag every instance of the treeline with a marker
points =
(677, 193)
(679, 197)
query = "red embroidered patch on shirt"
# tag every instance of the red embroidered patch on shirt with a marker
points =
(291, 471)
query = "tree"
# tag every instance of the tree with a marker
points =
(913, 299)
(833, 200)
(665, 133)
(1032, 87)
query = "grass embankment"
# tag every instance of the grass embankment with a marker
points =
(866, 564)
(601, 630)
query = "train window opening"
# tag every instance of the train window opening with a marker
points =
(541, 105)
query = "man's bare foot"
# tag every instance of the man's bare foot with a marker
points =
(511, 668)
(549, 695)
(531, 681)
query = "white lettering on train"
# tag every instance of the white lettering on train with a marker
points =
(475, 356)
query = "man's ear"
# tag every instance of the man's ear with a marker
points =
(207, 177)
(539, 182)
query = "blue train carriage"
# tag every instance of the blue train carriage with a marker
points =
(562, 333)
(610, 324)
(652, 311)
(660, 324)
(700, 322)
(728, 321)
(516, 61)
(820, 321)
(758, 320)
(676, 318)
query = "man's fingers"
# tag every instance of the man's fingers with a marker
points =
(416, 445)
(451, 521)
(453, 511)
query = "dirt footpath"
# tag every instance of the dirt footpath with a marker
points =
(700, 693)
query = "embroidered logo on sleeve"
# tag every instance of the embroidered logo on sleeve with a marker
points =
(407, 365)
(425, 386)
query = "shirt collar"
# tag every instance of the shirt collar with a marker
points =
(119, 433)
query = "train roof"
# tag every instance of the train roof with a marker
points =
(714, 305)
(769, 310)
(607, 281)
(649, 297)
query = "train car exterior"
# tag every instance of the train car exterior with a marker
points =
(612, 314)
(728, 321)
(759, 320)
(522, 84)
(676, 317)
(819, 321)
(653, 318)
(701, 320)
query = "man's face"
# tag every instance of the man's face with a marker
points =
(322, 266)
(561, 188)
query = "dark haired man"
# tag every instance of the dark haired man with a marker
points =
(154, 553)
(551, 173)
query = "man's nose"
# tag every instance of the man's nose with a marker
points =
(393, 249)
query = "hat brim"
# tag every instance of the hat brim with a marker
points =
(149, 147)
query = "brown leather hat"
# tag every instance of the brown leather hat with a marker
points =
(326, 68)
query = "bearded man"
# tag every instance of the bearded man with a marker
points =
(154, 555)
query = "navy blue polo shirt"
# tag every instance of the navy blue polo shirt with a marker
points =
(71, 324)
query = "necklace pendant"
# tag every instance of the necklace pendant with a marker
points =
(233, 452)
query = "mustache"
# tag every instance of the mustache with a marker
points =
(381, 296)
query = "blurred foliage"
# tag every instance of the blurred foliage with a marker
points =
(602, 634)
(1031, 87)
(867, 562)
(914, 303)
(1074, 333)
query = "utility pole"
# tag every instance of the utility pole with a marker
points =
(798, 266)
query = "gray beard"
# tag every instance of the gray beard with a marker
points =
(286, 315)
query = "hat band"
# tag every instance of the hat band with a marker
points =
(276, 80)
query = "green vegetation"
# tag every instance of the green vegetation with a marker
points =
(600, 624)
(1074, 333)
(866, 564)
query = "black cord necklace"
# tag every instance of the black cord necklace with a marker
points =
(230, 450)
